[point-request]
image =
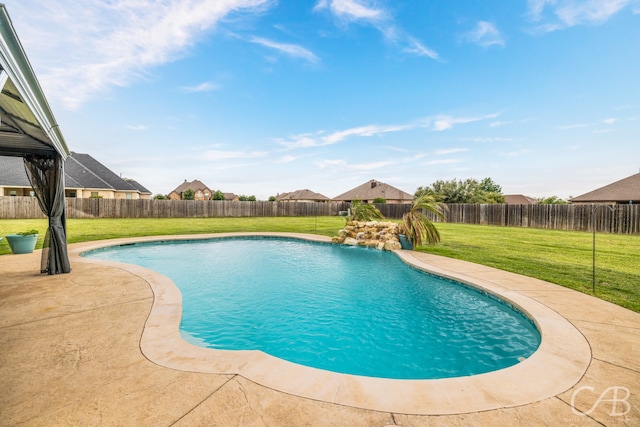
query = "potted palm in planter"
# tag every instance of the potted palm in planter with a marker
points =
(23, 242)
(416, 227)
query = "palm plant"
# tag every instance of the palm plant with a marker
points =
(417, 226)
(360, 211)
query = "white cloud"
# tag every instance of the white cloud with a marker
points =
(607, 121)
(485, 34)
(82, 49)
(592, 11)
(136, 127)
(343, 165)
(498, 123)
(487, 139)
(575, 126)
(303, 140)
(443, 162)
(202, 87)
(288, 49)
(443, 152)
(350, 10)
(371, 166)
(318, 139)
(226, 155)
(569, 13)
(445, 123)
(331, 164)
(417, 48)
(600, 131)
(371, 130)
(398, 149)
(365, 12)
(441, 123)
(515, 153)
(286, 159)
(536, 7)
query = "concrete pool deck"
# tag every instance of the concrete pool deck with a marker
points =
(71, 354)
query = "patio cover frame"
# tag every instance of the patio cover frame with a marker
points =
(29, 130)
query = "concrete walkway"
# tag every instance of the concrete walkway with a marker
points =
(70, 355)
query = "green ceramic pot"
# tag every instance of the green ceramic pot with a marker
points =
(22, 244)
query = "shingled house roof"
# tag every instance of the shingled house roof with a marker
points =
(195, 185)
(623, 191)
(12, 172)
(519, 199)
(373, 189)
(302, 195)
(80, 171)
(137, 185)
(90, 173)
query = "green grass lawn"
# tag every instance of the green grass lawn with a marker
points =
(560, 257)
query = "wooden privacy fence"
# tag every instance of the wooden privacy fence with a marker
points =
(625, 219)
(27, 207)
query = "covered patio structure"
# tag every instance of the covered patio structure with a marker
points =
(29, 130)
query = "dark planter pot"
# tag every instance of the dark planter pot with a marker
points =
(22, 244)
(405, 242)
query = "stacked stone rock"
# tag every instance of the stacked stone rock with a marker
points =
(373, 234)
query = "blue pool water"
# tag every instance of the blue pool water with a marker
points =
(345, 309)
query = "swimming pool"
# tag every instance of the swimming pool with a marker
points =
(360, 311)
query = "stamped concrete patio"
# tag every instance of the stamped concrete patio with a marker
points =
(70, 352)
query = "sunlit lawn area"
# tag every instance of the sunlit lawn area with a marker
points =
(560, 257)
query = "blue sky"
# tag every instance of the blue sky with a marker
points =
(260, 97)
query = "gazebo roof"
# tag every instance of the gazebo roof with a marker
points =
(28, 129)
(27, 125)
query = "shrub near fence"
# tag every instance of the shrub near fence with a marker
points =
(624, 220)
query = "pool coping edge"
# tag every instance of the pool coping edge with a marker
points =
(559, 363)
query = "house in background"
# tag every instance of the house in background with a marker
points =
(230, 197)
(13, 178)
(519, 199)
(302, 196)
(200, 192)
(84, 177)
(144, 193)
(90, 178)
(371, 190)
(625, 191)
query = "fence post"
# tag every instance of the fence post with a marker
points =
(594, 209)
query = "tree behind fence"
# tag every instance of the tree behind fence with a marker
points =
(625, 219)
